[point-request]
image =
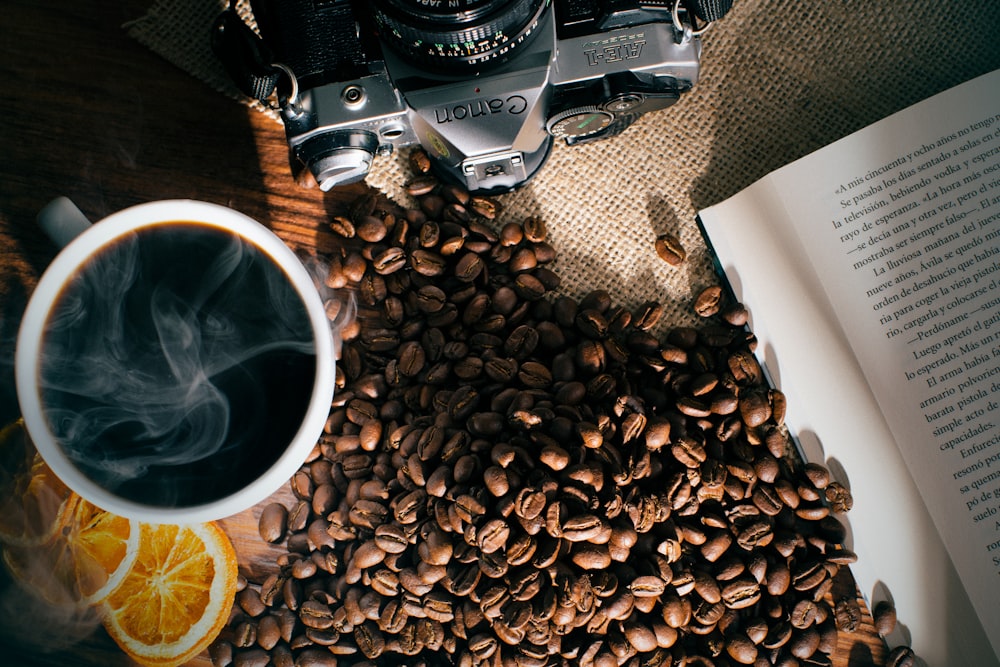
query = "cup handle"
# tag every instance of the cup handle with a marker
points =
(62, 221)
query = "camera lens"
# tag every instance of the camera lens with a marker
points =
(458, 35)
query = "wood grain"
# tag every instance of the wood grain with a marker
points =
(90, 114)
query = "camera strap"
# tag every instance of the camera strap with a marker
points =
(710, 10)
(243, 53)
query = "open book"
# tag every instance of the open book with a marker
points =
(872, 271)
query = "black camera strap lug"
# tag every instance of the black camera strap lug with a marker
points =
(700, 14)
(245, 56)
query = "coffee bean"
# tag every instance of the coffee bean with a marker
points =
(885, 617)
(368, 513)
(427, 263)
(901, 656)
(251, 658)
(741, 593)
(385, 582)
(250, 601)
(268, 632)
(520, 550)
(410, 507)
(706, 586)
(754, 408)
(708, 301)
(221, 653)
(273, 522)
(582, 527)
(493, 535)
(528, 287)
(324, 499)
(839, 497)
(676, 610)
(689, 452)
(369, 639)
(469, 267)
(642, 638)
(485, 207)
(522, 259)
(534, 229)
(804, 614)
(270, 589)
(466, 509)
(755, 534)
(304, 568)
(591, 556)
(777, 636)
(670, 250)
(421, 185)
(391, 538)
(389, 261)
(419, 161)
(693, 407)
(315, 614)
(804, 644)
(847, 614)
(529, 503)
(647, 586)
(812, 512)
(741, 649)
(496, 480)
(735, 314)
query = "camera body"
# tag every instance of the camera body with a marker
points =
(484, 86)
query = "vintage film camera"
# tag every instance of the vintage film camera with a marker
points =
(483, 85)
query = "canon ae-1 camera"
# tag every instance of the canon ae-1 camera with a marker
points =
(484, 86)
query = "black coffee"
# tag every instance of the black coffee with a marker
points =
(177, 364)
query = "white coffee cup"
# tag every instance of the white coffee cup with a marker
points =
(139, 358)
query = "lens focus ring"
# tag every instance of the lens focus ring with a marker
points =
(481, 32)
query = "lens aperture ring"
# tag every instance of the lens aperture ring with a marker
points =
(438, 13)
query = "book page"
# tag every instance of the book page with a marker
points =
(898, 230)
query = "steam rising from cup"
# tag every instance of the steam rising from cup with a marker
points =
(176, 364)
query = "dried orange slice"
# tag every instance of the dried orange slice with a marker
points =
(84, 562)
(177, 596)
(34, 503)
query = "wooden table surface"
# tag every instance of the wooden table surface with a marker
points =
(91, 114)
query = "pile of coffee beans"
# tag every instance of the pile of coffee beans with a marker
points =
(510, 476)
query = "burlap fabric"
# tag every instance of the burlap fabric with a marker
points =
(779, 79)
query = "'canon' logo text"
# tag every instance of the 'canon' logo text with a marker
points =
(513, 104)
